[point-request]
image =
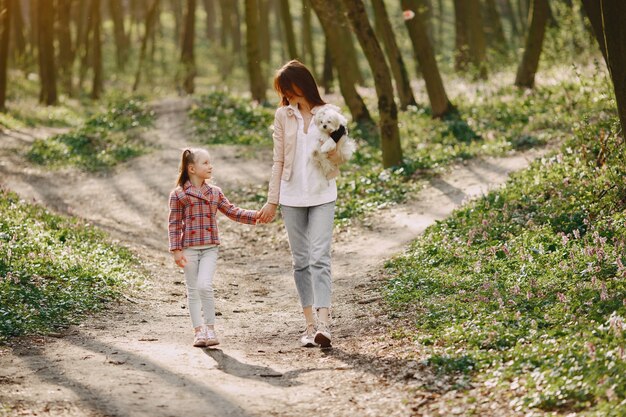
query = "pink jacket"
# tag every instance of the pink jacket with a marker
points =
(193, 212)
(285, 131)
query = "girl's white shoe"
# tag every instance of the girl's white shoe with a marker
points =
(322, 336)
(211, 338)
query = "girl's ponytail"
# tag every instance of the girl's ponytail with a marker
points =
(186, 158)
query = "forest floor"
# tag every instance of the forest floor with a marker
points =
(136, 358)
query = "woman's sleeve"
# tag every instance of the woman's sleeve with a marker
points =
(279, 160)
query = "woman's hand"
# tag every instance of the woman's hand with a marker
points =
(267, 213)
(179, 258)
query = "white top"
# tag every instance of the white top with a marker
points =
(307, 186)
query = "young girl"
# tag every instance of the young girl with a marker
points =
(193, 237)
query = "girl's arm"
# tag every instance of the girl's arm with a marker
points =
(235, 213)
(175, 223)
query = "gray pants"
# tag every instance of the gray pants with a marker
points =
(310, 231)
(199, 272)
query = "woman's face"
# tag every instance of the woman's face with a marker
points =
(295, 96)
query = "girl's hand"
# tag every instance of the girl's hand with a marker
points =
(179, 258)
(267, 213)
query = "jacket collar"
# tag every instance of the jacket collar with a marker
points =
(291, 109)
(203, 192)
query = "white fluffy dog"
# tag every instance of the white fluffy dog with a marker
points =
(333, 135)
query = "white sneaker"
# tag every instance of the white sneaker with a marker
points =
(322, 336)
(211, 338)
(307, 339)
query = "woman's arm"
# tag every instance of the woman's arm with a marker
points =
(268, 212)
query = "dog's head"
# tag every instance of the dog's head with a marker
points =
(328, 120)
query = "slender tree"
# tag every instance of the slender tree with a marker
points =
(493, 27)
(177, 11)
(607, 19)
(5, 35)
(389, 131)
(400, 75)
(327, 71)
(97, 85)
(211, 19)
(18, 38)
(187, 57)
(477, 42)
(150, 19)
(285, 14)
(461, 37)
(226, 20)
(66, 51)
(329, 19)
(264, 31)
(308, 52)
(47, 68)
(534, 40)
(116, 9)
(257, 82)
(425, 55)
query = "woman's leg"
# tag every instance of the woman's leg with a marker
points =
(321, 220)
(296, 222)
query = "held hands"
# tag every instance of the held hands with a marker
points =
(179, 258)
(267, 213)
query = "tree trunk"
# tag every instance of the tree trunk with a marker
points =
(47, 69)
(425, 55)
(211, 18)
(97, 86)
(509, 14)
(264, 31)
(461, 38)
(348, 47)
(236, 29)
(493, 27)
(534, 40)
(18, 39)
(308, 52)
(66, 53)
(226, 28)
(121, 44)
(477, 43)
(5, 35)
(607, 19)
(150, 20)
(33, 12)
(177, 11)
(400, 75)
(84, 36)
(187, 56)
(329, 19)
(285, 14)
(257, 82)
(389, 131)
(327, 72)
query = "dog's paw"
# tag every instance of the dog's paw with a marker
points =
(328, 146)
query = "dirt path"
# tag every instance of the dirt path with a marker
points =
(136, 359)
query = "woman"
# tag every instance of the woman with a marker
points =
(306, 196)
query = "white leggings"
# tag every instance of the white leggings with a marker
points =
(199, 272)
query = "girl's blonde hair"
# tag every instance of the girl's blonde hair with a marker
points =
(187, 157)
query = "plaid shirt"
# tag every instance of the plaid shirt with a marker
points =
(193, 211)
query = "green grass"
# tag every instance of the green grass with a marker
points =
(55, 269)
(104, 140)
(220, 117)
(526, 286)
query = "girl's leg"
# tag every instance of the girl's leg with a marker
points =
(206, 271)
(296, 222)
(191, 281)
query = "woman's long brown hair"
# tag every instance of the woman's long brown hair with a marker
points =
(295, 73)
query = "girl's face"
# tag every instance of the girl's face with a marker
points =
(201, 167)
